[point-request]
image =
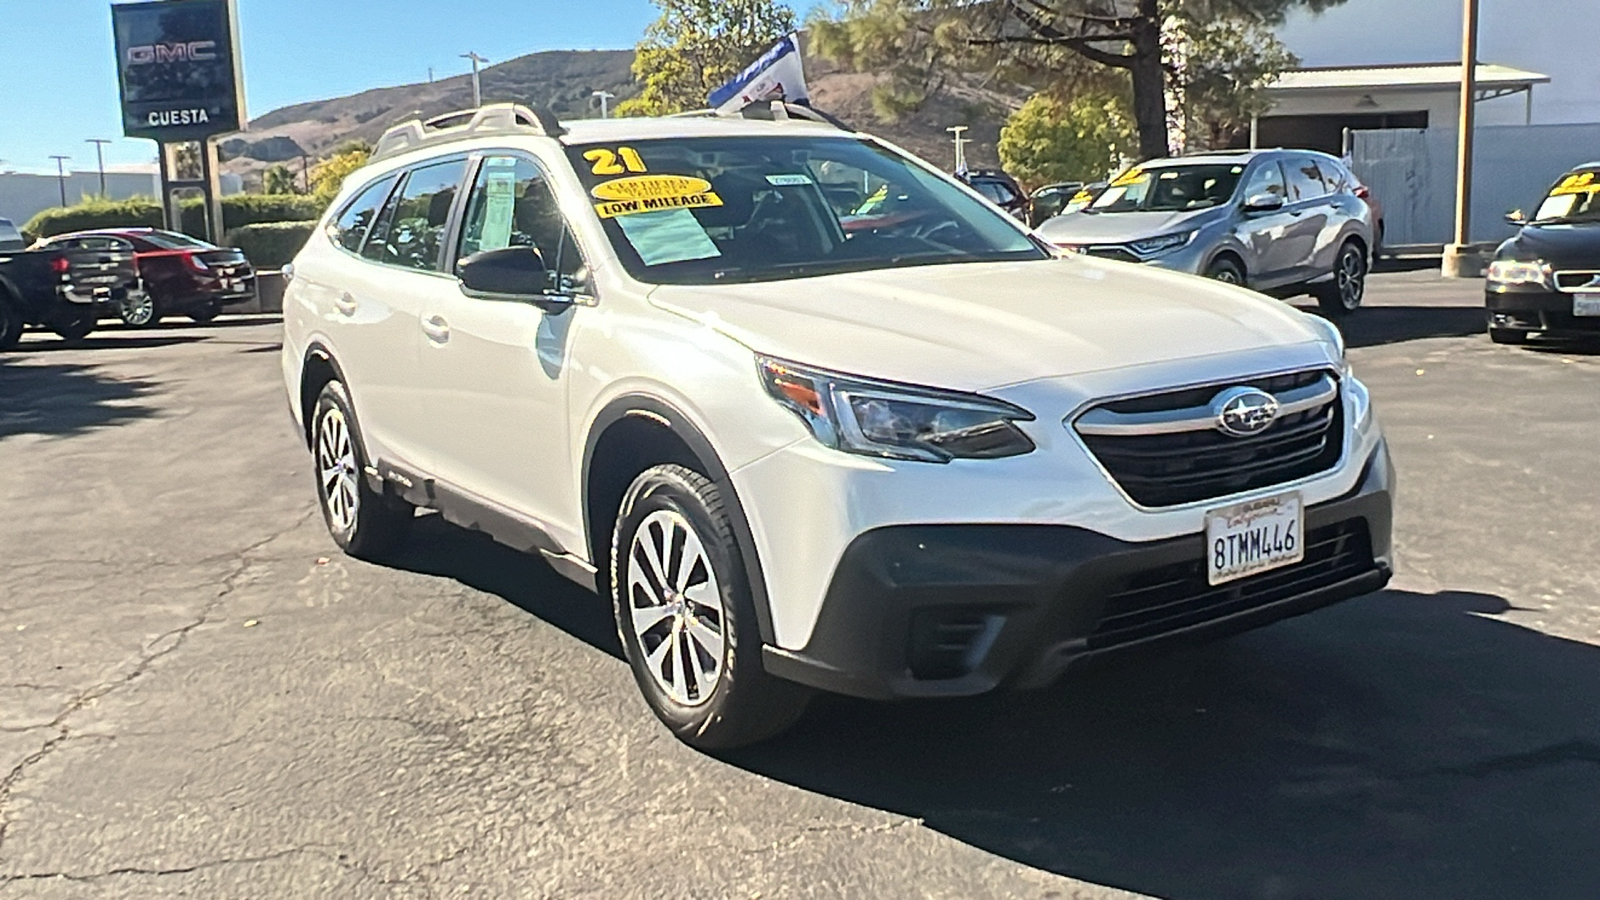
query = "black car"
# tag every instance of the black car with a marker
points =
(1547, 278)
(1000, 188)
(1051, 200)
(63, 290)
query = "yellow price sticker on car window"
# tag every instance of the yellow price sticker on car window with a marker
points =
(1577, 183)
(1131, 177)
(652, 193)
(620, 161)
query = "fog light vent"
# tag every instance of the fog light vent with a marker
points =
(949, 643)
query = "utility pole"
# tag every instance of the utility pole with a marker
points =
(961, 146)
(61, 177)
(1460, 260)
(477, 84)
(605, 98)
(100, 155)
(305, 174)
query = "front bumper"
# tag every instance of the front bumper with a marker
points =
(1546, 311)
(957, 610)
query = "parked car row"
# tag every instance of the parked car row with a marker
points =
(69, 282)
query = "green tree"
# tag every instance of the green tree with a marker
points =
(1220, 73)
(278, 180)
(328, 176)
(696, 46)
(1083, 139)
(912, 38)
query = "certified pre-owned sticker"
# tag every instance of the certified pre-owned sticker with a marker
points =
(652, 193)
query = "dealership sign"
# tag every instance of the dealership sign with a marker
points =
(179, 65)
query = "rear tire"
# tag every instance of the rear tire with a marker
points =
(686, 615)
(1226, 270)
(74, 330)
(11, 323)
(1343, 295)
(366, 524)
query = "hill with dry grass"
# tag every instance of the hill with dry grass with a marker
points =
(565, 80)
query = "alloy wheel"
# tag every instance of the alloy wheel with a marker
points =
(675, 607)
(138, 309)
(1352, 278)
(336, 463)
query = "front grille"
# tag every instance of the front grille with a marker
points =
(1178, 467)
(1178, 596)
(1576, 280)
(1120, 254)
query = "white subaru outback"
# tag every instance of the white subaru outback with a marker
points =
(814, 415)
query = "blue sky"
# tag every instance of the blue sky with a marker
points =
(58, 83)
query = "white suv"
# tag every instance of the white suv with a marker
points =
(813, 414)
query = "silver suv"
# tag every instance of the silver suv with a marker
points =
(1284, 222)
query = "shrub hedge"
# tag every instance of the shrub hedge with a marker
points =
(271, 245)
(238, 211)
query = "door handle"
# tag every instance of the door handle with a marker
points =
(346, 304)
(437, 329)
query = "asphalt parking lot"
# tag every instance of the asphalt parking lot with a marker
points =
(199, 696)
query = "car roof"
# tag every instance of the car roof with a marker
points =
(1229, 157)
(589, 131)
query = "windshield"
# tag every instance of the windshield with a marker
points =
(721, 210)
(167, 240)
(1170, 189)
(1576, 198)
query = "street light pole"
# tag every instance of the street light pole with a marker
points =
(100, 156)
(605, 97)
(1460, 260)
(477, 84)
(961, 146)
(61, 177)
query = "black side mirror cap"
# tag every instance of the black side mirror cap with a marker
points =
(511, 273)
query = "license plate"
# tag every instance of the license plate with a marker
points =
(1254, 537)
(1586, 304)
(100, 279)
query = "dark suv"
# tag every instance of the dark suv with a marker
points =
(1000, 188)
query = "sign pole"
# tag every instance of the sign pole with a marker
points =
(1460, 259)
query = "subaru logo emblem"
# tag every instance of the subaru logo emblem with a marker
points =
(1244, 411)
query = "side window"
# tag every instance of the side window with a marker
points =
(415, 233)
(511, 205)
(1305, 179)
(1266, 179)
(350, 229)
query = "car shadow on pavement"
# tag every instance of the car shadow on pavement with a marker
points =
(1399, 746)
(438, 548)
(66, 399)
(101, 340)
(1378, 325)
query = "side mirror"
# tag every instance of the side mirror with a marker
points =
(1261, 203)
(512, 273)
(1516, 217)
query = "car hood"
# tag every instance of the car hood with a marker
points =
(1120, 227)
(979, 326)
(1562, 246)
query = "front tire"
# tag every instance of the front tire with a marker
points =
(364, 523)
(686, 615)
(1226, 270)
(1343, 295)
(11, 323)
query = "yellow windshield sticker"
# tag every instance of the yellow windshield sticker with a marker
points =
(614, 208)
(605, 162)
(652, 193)
(1082, 197)
(1578, 183)
(1131, 177)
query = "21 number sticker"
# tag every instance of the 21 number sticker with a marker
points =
(622, 161)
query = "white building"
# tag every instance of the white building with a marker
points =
(25, 193)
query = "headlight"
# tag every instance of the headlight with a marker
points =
(1511, 271)
(876, 418)
(1149, 248)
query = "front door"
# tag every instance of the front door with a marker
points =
(1274, 258)
(495, 372)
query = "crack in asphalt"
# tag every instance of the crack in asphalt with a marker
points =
(163, 646)
(7, 880)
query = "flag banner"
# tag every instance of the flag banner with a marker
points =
(778, 75)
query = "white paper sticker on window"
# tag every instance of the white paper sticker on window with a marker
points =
(500, 209)
(667, 236)
(788, 180)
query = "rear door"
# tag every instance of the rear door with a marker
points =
(1310, 206)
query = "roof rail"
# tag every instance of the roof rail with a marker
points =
(497, 118)
(775, 111)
